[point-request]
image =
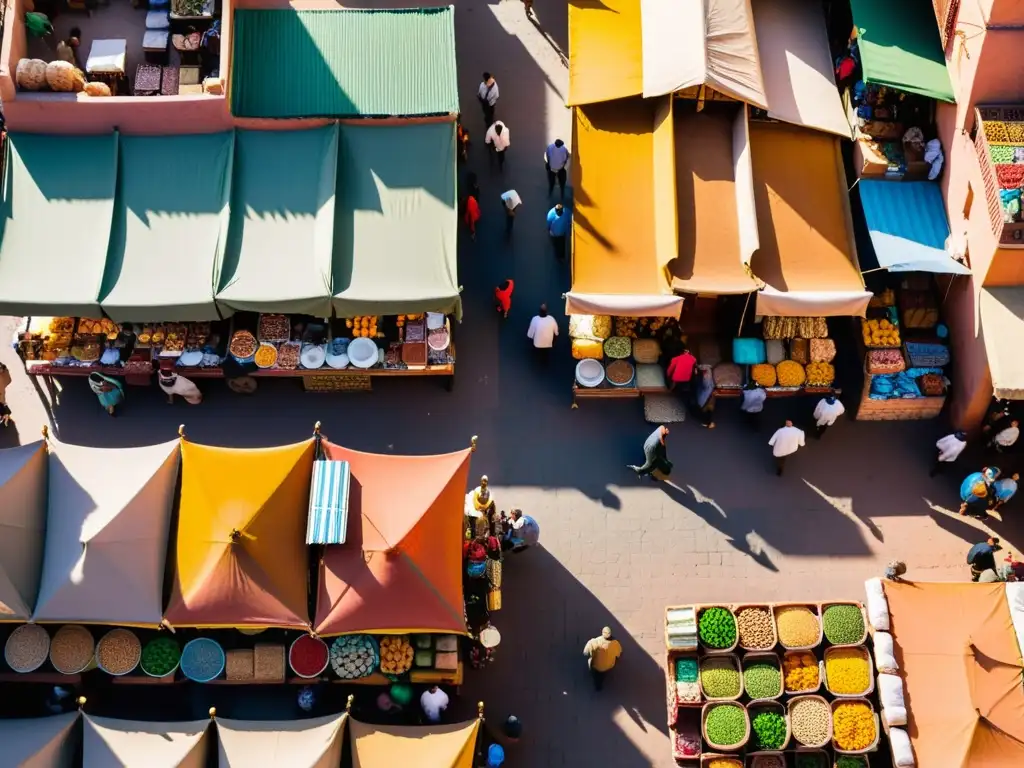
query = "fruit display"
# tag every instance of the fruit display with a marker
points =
(811, 721)
(726, 725)
(364, 326)
(790, 374)
(885, 361)
(274, 328)
(72, 649)
(62, 325)
(802, 672)
(769, 731)
(160, 657)
(353, 656)
(823, 350)
(763, 374)
(820, 374)
(756, 628)
(174, 339)
(308, 656)
(762, 679)
(118, 652)
(843, 624)
(717, 628)
(618, 347)
(853, 726)
(886, 298)
(590, 327)
(847, 671)
(633, 327)
(198, 334)
(27, 648)
(798, 626)
(396, 654)
(266, 356)
(879, 333)
(412, 320)
(720, 677)
(86, 353)
(288, 355)
(243, 345)
(103, 327)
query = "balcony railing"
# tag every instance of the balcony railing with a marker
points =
(946, 12)
(1008, 233)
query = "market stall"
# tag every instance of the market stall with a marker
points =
(109, 743)
(310, 743)
(432, 746)
(23, 472)
(43, 741)
(999, 133)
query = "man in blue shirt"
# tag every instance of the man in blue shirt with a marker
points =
(558, 228)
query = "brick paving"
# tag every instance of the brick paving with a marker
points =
(614, 550)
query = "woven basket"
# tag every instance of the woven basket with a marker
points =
(646, 350)
(704, 725)
(821, 675)
(789, 712)
(864, 617)
(813, 608)
(756, 708)
(705, 648)
(730, 659)
(871, 672)
(772, 658)
(873, 746)
(738, 608)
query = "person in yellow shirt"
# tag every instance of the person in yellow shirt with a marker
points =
(602, 653)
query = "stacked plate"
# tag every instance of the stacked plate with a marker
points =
(313, 355)
(589, 373)
(362, 353)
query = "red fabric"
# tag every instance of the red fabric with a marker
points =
(504, 298)
(681, 367)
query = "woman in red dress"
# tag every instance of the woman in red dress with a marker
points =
(503, 297)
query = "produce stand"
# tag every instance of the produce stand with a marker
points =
(639, 345)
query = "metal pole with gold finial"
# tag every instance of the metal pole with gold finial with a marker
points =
(213, 713)
(472, 443)
(81, 701)
(181, 431)
(480, 710)
(348, 703)
(46, 432)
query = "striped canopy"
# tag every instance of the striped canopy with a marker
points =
(328, 503)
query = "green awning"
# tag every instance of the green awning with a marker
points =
(57, 208)
(170, 227)
(340, 63)
(395, 220)
(278, 256)
(900, 47)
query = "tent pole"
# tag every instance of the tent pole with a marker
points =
(744, 315)
(949, 286)
(472, 443)
(876, 269)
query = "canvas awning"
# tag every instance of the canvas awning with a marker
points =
(908, 226)
(807, 258)
(106, 542)
(400, 569)
(170, 227)
(434, 746)
(900, 47)
(23, 472)
(714, 194)
(701, 43)
(57, 209)
(40, 742)
(396, 221)
(241, 559)
(961, 668)
(111, 743)
(624, 221)
(278, 256)
(1002, 323)
(327, 522)
(797, 65)
(605, 44)
(310, 743)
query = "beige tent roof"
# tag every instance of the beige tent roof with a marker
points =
(312, 743)
(22, 526)
(701, 43)
(435, 746)
(110, 743)
(1002, 324)
(106, 536)
(39, 742)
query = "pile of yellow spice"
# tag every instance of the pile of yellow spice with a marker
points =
(853, 726)
(801, 671)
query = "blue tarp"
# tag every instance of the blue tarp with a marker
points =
(328, 503)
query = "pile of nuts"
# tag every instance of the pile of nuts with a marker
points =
(809, 719)
(798, 627)
(27, 648)
(118, 652)
(757, 631)
(72, 649)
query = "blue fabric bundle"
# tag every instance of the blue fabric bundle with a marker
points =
(921, 355)
(748, 351)
(892, 386)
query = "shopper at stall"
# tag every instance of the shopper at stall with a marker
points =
(433, 702)
(503, 296)
(950, 447)
(110, 392)
(1004, 489)
(499, 138)
(752, 403)
(982, 556)
(487, 94)
(172, 384)
(1006, 437)
(705, 397)
(680, 373)
(785, 442)
(542, 332)
(602, 653)
(523, 531)
(556, 158)
(826, 412)
(558, 227)
(655, 454)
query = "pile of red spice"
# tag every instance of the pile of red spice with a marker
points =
(308, 656)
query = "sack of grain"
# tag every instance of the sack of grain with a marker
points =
(800, 351)
(583, 349)
(823, 350)
(31, 74)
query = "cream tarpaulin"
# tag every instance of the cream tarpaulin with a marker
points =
(624, 223)
(111, 743)
(433, 746)
(701, 43)
(40, 742)
(961, 667)
(797, 65)
(22, 528)
(106, 534)
(1002, 323)
(713, 179)
(605, 60)
(311, 743)
(807, 258)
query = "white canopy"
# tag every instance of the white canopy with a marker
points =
(110, 743)
(623, 304)
(689, 42)
(22, 526)
(39, 742)
(312, 743)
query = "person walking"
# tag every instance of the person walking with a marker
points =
(785, 442)
(950, 447)
(982, 556)
(109, 391)
(752, 404)
(512, 201)
(602, 653)
(433, 702)
(487, 94)
(542, 331)
(1005, 489)
(1006, 437)
(826, 412)
(471, 214)
(655, 454)
(558, 228)
(556, 158)
(499, 137)
(705, 397)
(503, 296)
(680, 373)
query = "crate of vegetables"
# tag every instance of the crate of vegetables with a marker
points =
(716, 629)
(848, 672)
(810, 721)
(685, 733)
(725, 725)
(720, 677)
(798, 625)
(769, 726)
(766, 760)
(762, 676)
(801, 672)
(844, 623)
(855, 727)
(756, 627)
(810, 758)
(851, 761)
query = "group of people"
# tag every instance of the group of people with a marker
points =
(984, 491)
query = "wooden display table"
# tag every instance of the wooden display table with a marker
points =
(897, 408)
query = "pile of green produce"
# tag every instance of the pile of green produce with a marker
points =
(769, 731)
(717, 628)
(686, 670)
(810, 760)
(762, 680)
(720, 678)
(847, 761)
(160, 656)
(726, 725)
(843, 624)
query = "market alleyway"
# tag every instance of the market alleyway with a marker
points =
(614, 551)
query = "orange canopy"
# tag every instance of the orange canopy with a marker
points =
(241, 557)
(961, 665)
(433, 746)
(400, 569)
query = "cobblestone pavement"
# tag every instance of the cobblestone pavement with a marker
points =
(614, 550)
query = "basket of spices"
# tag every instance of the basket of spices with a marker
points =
(619, 373)
(309, 656)
(811, 758)
(769, 727)
(766, 761)
(618, 347)
(72, 649)
(239, 665)
(756, 627)
(810, 721)
(848, 672)
(725, 725)
(202, 660)
(762, 676)
(27, 648)
(118, 652)
(720, 678)
(269, 662)
(799, 626)
(720, 761)
(160, 657)
(801, 672)
(716, 629)
(843, 623)
(854, 726)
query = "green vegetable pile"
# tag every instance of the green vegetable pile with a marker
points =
(160, 656)
(762, 680)
(769, 730)
(843, 624)
(719, 678)
(717, 628)
(686, 670)
(726, 725)
(845, 761)
(810, 760)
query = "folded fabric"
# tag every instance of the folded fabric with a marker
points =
(902, 752)
(877, 606)
(775, 350)
(890, 690)
(894, 715)
(885, 658)
(927, 355)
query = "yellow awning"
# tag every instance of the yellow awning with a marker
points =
(1002, 324)
(605, 50)
(434, 746)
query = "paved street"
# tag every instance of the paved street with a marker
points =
(614, 550)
